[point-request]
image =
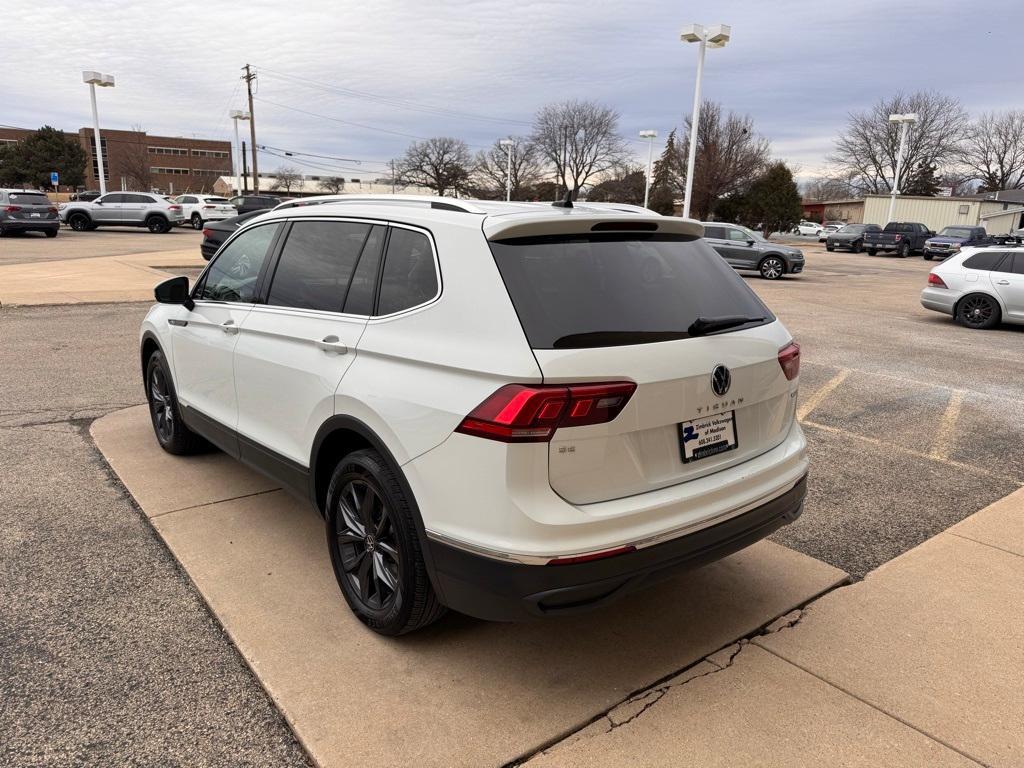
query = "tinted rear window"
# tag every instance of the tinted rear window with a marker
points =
(29, 198)
(316, 265)
(615, 289)
(987, 260)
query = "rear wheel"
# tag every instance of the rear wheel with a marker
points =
(157, 224)
(977, 311)
(771, 268)
(79, 222)
(197, 221)
(51, 233)
(903, 251)
(830, 248)
(375, 548)
(857, 246)
(171, 432)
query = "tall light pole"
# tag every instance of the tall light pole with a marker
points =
(236, 115)
(905, 121)
(715, 36)
(104, 81)
(509, 146)
(650, 136)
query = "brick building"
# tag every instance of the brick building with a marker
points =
(140, 162)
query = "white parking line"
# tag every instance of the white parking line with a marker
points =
(816, 399)
(947, 427)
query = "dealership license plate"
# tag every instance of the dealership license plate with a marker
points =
(708, 436)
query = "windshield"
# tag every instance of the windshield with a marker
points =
(29, 198)
(854, 228)
(600, 290)
(963, 232)
(217, 200)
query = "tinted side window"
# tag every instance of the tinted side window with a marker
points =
(1018, 265)
(737, 235)
(987, 260)
(113, 198)
(364, 281)
(316, 264)
(233, 274)
(409, 277)
(716, 233)
(138, 199)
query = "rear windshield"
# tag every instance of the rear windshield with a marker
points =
(217, 200)
(615, 289)
(29, 198)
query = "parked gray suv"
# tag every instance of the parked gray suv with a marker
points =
(123, 209)
(27, 210)
(743, 248)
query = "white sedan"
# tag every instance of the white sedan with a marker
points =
(198, 209)
(808, 228)
(979, 287)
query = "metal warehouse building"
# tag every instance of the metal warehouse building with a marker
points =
(999, 212)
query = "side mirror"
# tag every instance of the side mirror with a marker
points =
(97, 202)
(174, 291)
(751, 243)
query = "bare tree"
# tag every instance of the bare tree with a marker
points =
(830, 188)
(730, 156)
(994, 150)
(580, 139)
(442, 164)
(491, 169)
(866, 150)
(286, 179)
(333, 185)
(623, 184)
(135, 163)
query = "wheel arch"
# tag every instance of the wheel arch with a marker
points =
(990, 294)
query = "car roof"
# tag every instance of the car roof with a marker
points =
(497, 219)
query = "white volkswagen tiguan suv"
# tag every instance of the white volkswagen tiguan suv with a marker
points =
(512, 410)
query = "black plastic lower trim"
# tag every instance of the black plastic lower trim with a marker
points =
(505, 591)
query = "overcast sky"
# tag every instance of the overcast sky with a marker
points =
(479, 69)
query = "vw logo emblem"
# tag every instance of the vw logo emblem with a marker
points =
(721, 379)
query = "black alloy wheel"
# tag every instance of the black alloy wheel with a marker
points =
(858, 246)
(977, 311)
(157, 224)
(197, 221)
(79, 222)
(171, 432)
(160, 407)
(375, 547)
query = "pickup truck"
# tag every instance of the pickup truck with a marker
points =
(899, 236)
(951, 239)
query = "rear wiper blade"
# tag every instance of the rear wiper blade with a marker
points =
(705, 325)
(614, 338)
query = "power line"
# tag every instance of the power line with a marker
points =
(322, 157)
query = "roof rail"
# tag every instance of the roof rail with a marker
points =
(426, 201)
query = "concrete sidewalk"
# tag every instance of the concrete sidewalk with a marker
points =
(922, 663)
(129, 277)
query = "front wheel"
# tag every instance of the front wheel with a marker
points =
(872, 251)
(978, 311)
(771, 268)
(197, 221)
(171, 432)
(157, 224)
(830, 248)
(375, 548)
(79, 222)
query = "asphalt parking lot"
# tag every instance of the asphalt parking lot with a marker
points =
(914, 423)
(33, 247)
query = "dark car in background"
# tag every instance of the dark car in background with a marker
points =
(850, 236)
(250, 203)
(743, 248)
(216, 232)
(85, 197)
(951, 239)
(904, 237)
(27, 210)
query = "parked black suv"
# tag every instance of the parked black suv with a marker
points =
(249, 203)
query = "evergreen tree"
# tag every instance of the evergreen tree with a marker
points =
(922, 181)
(31, 160)
(664, 188)
(774, 200)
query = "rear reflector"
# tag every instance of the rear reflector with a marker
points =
(592, 556)
(206, 232)
(517, 413)
(934, 279)
(12, 208)
(789, 360)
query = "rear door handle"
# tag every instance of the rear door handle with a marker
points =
(228, 326)
(332, 345)
(1002, 282)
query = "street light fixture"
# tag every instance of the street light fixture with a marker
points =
(905, 121)
(715, 36)
(509, 146)
(236, 115)
(93, 79)
(651, 136)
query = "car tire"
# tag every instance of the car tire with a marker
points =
(830, 248)
(375, 547)
(771, 268)
(904, 251)
(157, 225)
(857, 247)
(197, 221)
(872, 251)
(51, 232)
(977, 311)
(171, 432)
(927, 256)
(80, 222)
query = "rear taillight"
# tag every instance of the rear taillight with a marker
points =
(517, 413)
(207, 231)
(935, 280)
(898, 238)
(51, 209)
(174, 207)
(12, 208)
(209, 207)
(789, 360)
(592, 556)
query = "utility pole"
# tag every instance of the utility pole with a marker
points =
(392, 164)
(245, 174)
(249, 77)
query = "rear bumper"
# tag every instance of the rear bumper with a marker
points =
(505, 591)
(938, 299)
(19, 225)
